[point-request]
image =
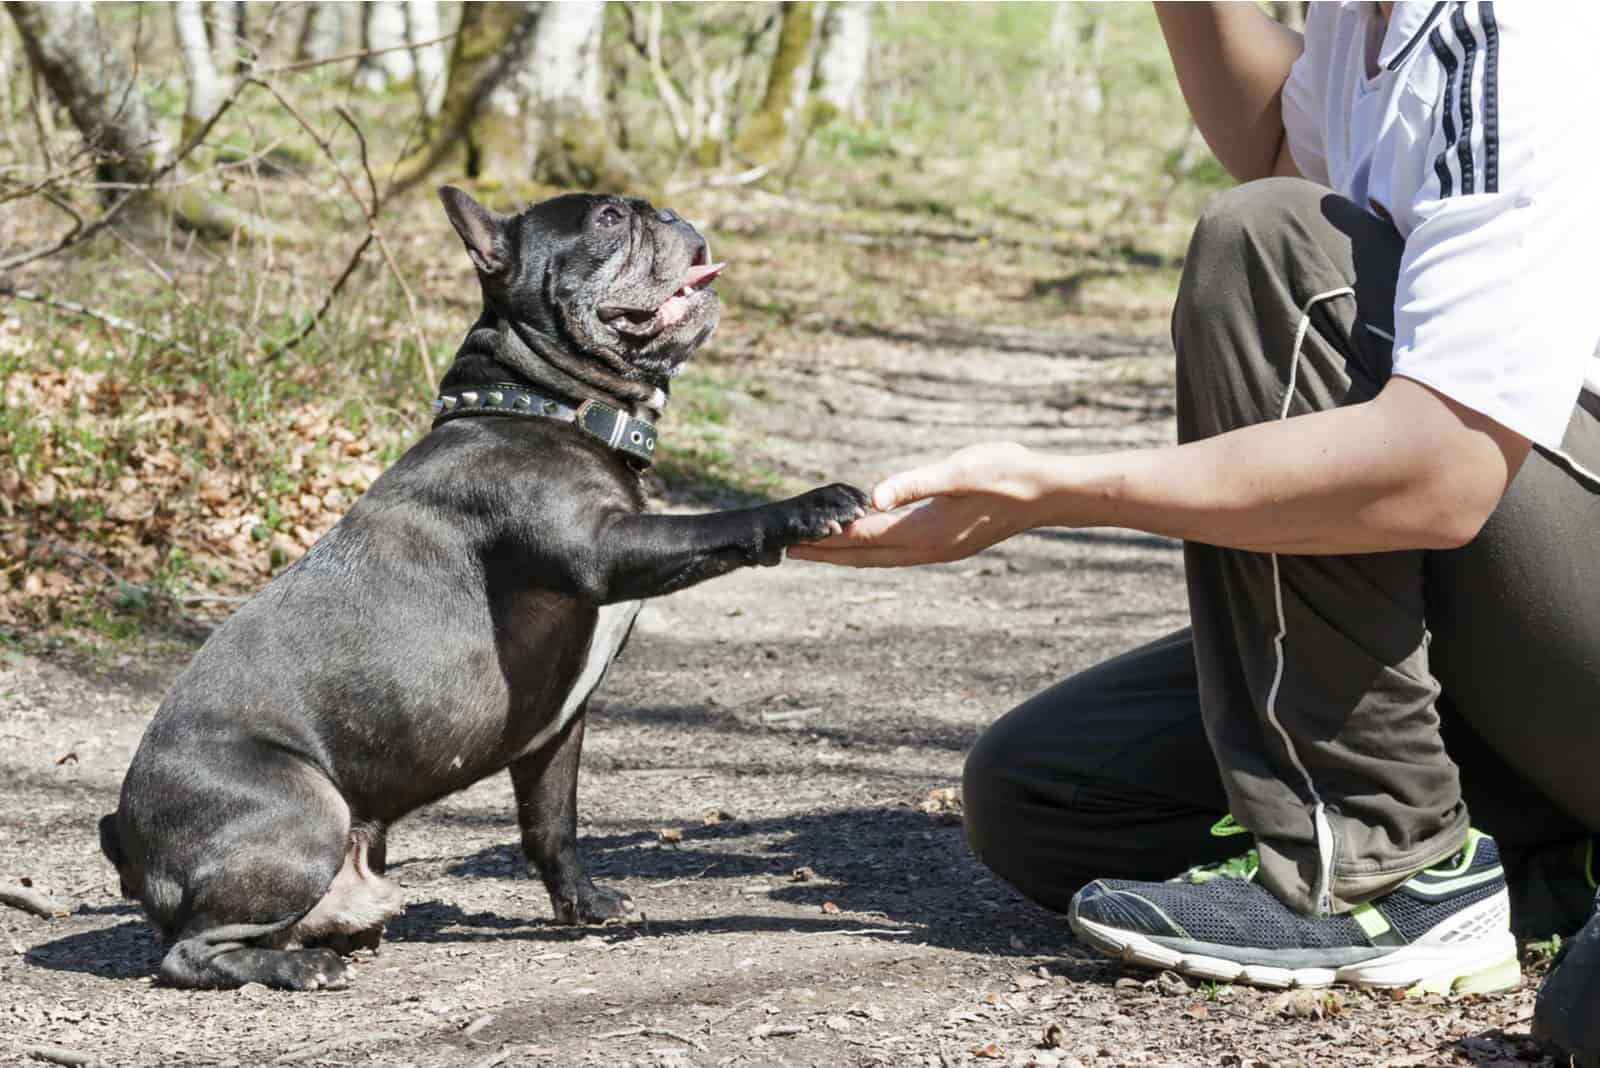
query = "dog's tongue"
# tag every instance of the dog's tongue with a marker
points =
(701, 273)
(678, 304)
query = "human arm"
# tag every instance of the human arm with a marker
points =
(1232, 61)
(1409, 469)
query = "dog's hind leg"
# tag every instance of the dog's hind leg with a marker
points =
(224, 957)
(270, 879)
(546, 784)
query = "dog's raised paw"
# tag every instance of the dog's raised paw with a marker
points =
(823, 512)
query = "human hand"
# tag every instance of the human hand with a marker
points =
(975, 497)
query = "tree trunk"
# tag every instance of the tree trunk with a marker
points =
(66, 48)
(482, 109)
(205, 86)
(383, 29)
(8, 100)
(64, 44)
(843, 55)
(766, 135)
(323, 33)
(422, 27)
(562, 85)
(226, 23)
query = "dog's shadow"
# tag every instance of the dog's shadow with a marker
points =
(128, 950)
(891, 874)
(909, 873)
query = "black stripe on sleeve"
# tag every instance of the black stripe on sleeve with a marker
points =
(1447, 59)
(1469, 50)
(1491, 97)
(1416, 38)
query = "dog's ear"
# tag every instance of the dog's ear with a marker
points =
(481, 230)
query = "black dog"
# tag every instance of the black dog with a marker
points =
(454, 623)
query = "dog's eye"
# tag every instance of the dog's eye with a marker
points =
(608, 216)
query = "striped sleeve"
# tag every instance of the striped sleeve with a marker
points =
(1495, 306)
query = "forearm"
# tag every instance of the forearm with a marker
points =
(1232, 60)
(1364, 478)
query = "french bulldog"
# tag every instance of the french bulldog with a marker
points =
(454, 622)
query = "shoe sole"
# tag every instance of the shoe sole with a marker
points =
(1450, 959)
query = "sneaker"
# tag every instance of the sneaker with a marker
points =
(1564, 1015)
(1445, 930)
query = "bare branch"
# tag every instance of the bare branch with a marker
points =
(20, 897)
(113, 321)
(80, 234)
(364, 53)
(368, 211)
(327, 302)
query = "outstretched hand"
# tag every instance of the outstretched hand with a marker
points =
(974, 498)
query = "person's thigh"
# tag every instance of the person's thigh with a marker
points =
(1106, 774)
(1515, 618)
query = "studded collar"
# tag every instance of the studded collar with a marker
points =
(616, 429)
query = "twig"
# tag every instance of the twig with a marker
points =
(683, 878)
(847, 931)
(307, 64)
(20, 897)
(79, 234)
(123, 585)
(317, 1049)
(654, 1032)
(723, 181)
(368, 210)
(154, 267)
(311, 324)
(61, 1055)
(110, 320)
(383, 247)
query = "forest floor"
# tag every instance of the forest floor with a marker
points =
(770, 774)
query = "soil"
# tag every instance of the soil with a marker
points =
(770, 773)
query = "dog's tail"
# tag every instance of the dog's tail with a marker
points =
(111, 846)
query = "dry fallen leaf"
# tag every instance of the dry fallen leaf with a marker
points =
(802, 875)
(829, 907)
(669, 836)
(989, 1052)
(1054, 1037)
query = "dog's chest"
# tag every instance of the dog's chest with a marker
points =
(610, 631)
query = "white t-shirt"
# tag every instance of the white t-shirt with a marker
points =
(1475, 129)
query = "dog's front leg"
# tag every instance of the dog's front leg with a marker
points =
(637, 556)
(546, 784)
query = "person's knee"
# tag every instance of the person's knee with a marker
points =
(1235, 231)
(988, 789)
(1234, 282)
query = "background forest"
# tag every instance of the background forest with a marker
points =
(226, 289)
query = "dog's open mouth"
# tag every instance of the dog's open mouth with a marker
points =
(646, 323)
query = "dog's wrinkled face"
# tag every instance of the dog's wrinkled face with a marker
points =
(605, 277)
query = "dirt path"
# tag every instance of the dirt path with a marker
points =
(773, 721)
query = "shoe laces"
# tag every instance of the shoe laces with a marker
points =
(1244, 866)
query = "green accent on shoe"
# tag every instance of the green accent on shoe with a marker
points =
(1244, 866)
(1370, 920)
(1502, 975)
(1588, 863)
(1226, 826)
(1469, 849)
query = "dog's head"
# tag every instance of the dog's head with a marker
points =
(606, 279)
